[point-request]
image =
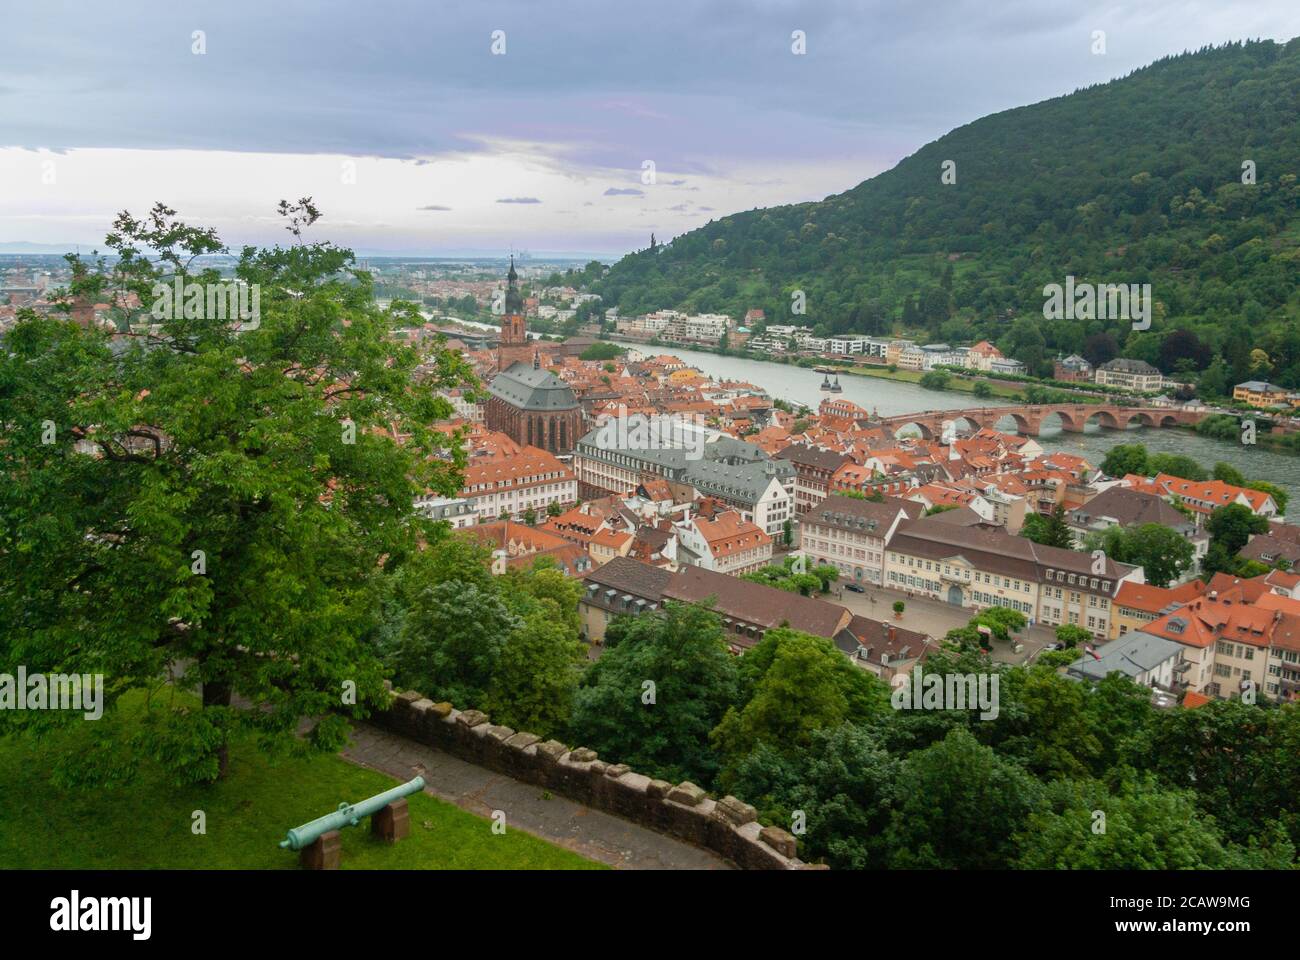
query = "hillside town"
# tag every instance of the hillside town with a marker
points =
(651, 482)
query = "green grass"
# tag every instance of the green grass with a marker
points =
(147, 824)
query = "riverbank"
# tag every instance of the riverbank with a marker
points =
(957, 382)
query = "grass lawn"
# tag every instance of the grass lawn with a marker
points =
(148, 823)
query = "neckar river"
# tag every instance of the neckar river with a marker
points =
(891, 397)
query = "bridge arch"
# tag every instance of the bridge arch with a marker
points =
(1141, 416)
(920, 426)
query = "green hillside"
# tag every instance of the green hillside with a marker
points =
(1134, 181)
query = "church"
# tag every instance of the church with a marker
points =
(530, 405)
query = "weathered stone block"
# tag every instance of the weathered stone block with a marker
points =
(779, 840)
(582, 755)
(441, 710)
(617, 770)
(522, 740)
(687, 793)
(735, 811)
(472, 718)
(551, 750)
(498, 733)
(658, 789)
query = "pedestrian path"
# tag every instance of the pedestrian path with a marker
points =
(592, 833)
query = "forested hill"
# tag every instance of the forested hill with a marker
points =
(1133, 181)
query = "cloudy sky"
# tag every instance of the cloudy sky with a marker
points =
(414, 136)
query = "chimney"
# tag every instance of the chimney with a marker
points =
(892, 633)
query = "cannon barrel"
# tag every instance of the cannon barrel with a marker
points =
(348, 815)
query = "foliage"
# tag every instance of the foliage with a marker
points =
(1050, 530)
(223, 499)
(683, 654)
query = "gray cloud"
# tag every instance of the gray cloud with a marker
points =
(623, 192)
(519, 200)
(433, 206)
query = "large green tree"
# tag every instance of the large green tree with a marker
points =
(214, 499)
(652, 698)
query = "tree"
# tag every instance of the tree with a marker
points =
(842, 783)
(661, 729)
(1143, 827)
(1227, 473)
(536, 674)
(244, 502)
(1125, 458)
(1162, 552)
(452, 640)
(796, 684)
(787, 532)
(1050, 530)
(982, 390)
(1230, 529)
(1176, 464)
(958, 806)
(898, 608)
(1070, 635)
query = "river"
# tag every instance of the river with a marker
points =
(893, 397)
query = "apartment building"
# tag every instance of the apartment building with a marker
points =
(1234, 644)
(1203, 496)
(1259, 393)
(532, 479)
(973, 566)
(850, 534)
(813, 469)
(725, 543)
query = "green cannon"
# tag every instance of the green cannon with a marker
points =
(348, 815)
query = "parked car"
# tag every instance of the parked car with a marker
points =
(854, 587)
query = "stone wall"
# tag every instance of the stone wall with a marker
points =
(728, 826)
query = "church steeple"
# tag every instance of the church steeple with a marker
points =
(514, 299)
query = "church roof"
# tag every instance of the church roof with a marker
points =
(528, 388)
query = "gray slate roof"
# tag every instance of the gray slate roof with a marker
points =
(527, 388)
(1132, 655)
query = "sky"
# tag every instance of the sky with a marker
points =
(548, 126)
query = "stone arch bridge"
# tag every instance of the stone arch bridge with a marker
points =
(1029, 418)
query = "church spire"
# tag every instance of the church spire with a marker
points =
(514, 299)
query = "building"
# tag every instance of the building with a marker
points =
(1072, 369)
(850, 534)
(1137, 375)
(974, 566)
(884, 649)
(748, 610)
(727, 543)
(813, 469)
(1203, 496)
(740, 474)
(1137, 604)
(531, 480)
(1242, 638)
(513, 345)
(1258, 393)
(1147, 660)
(533, 406)
(517, 545)
(457, 511)
(1126, 507)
